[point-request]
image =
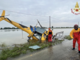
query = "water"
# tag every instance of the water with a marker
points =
(14, 36)
(58, 52)
(66, 31)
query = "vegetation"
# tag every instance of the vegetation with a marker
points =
(9, 28)
(23, 48)
(38, 26)
(68, 37)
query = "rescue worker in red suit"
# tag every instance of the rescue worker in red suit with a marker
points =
(50, 34)
(75, 34)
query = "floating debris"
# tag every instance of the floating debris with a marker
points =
(35, 47)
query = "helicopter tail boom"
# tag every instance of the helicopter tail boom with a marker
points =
(2, 15)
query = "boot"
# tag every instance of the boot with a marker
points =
(73, 48)
(79, 52)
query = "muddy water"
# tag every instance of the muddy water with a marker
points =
(62, 51)
(14, 36)
(9, 37)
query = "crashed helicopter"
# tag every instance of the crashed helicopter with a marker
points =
(36, 33)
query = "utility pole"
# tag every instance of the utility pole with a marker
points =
(22, 30)
(49, 21)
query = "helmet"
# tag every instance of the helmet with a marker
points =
(76, 27)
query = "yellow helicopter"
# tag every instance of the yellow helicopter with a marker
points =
(36, 33)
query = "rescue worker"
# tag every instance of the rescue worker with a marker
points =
(75, 34)
(50, 34)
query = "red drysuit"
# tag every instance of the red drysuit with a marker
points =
(75, 34)
(50, 38)
(50, 35)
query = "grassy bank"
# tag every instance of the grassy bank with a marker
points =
(23, 49)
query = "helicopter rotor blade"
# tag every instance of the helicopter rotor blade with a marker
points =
(39, 24)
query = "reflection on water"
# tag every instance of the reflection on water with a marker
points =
(79, 57)
(14, 36)
(50, 49)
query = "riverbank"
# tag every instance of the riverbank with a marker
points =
(19, 49)
(23, 49)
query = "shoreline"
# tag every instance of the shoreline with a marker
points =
(21, 49)
(24, 48)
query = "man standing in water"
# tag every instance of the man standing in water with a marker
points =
(50, 33)
(75, 34)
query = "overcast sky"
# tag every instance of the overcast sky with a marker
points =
(29, 11)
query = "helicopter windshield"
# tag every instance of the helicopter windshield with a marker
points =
(40, 30)
(38, 33)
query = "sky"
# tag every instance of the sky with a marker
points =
(28, 11)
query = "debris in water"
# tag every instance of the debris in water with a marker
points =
(34, 47)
